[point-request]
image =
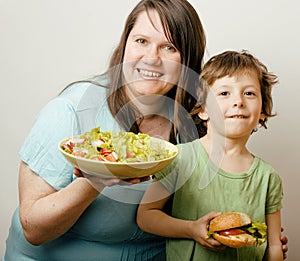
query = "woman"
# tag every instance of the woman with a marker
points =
(62, 217)
(148, 88)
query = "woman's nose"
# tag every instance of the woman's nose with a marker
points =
(152, 56)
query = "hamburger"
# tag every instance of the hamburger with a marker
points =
(236, 229)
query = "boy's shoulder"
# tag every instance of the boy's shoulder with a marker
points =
(264, 165)
(192, 151)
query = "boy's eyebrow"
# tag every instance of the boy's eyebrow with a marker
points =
(231, 87)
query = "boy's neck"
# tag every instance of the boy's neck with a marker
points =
(231, 155)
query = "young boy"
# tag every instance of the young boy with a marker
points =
(217, 172)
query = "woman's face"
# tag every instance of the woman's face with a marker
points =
(151, 63)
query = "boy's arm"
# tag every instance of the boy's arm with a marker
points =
(274, 248)
(151, 218)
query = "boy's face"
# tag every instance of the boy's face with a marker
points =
(234, 105)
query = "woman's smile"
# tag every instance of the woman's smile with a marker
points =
(149, 74)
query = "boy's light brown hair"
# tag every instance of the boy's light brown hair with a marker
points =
(234, 63)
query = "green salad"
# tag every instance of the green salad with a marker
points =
(116, 146)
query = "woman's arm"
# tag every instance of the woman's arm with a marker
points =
(274, 249)
(46, 213)
(152, 219)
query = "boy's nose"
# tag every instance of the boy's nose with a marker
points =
(238, 103)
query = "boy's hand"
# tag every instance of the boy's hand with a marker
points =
(201, 230)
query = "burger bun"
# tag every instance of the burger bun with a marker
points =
(231, 220)
(235, 241)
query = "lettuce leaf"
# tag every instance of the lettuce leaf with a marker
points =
(259, 231)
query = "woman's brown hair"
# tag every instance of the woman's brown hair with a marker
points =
(183, 28)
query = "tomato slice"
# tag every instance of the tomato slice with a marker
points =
(232, 232)
(105, 151)
(68, 148)
(79, 153)
(129, 154)
(110, 157)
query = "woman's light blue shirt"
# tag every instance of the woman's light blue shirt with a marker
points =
(107, 229)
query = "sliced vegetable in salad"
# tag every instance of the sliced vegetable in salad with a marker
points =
(116, 146)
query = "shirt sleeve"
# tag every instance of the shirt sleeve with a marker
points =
(56, 121)
(169, 175)
(275, 194)
(175, 175)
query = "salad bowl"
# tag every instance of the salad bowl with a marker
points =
(125, 169)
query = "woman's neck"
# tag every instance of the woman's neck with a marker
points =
(154, 118)
(151, 105)
(156, 126)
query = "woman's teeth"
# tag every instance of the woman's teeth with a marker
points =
(149, 74)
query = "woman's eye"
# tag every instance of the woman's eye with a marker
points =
(141, 41)
(170, 48)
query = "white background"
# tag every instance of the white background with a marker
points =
(45, 45)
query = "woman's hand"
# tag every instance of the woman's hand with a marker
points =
(201, 230)
(284, 242)
(99, 183)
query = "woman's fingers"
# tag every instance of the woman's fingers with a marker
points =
(99, 183)
(77, 172)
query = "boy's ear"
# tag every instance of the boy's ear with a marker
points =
(262, 117)
(262, 120)
(203, 115)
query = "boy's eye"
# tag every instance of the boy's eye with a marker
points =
(224, 93)
(249, 93)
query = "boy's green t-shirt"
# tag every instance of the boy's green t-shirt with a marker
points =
(200, 187)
